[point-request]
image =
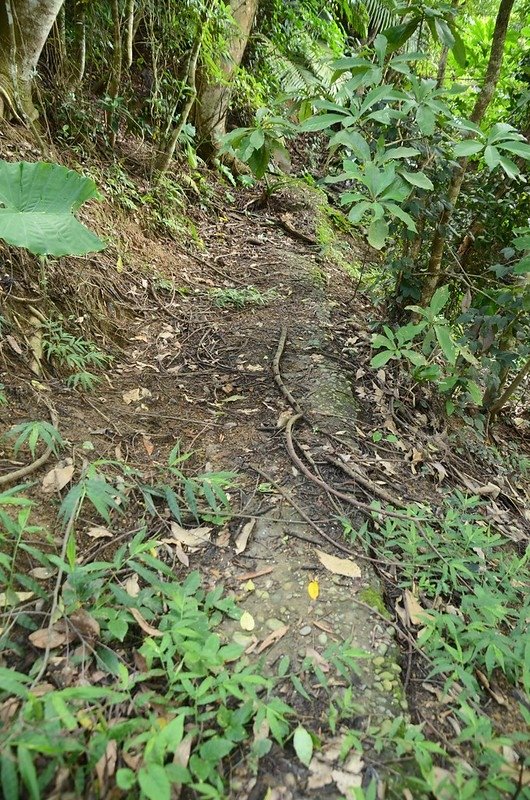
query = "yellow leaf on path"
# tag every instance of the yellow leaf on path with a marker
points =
(247, 621)
(313, 589)
(99, 533)
(339, 566)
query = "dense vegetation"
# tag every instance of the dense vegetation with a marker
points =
(414, 120)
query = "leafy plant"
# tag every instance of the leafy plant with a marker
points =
(72, 352)
(257, 145)
(35, 432)
(38, 205)
(238, 298)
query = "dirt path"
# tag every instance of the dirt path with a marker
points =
(279, 392)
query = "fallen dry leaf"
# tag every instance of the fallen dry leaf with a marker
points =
(14, 344)
(135, 395)
(191, 537)
(148, 445)
(247, 621)
(57, 478)
(12, 598)
(339, 566)
(45, 637)
(42, 573)
(85, 625)
(247, 576)
(272, 638)
(144, 625)
(242, 539)
(181, 555)
(132, 586)
(99, 533)
(106, 765)
(415, 613)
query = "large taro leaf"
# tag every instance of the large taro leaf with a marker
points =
(38, 202)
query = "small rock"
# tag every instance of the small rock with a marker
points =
(403, 704)
(378, 661)
(274, 623)
(378, 686)
(305, 631)
(382, 648)
(322, 638)
(240, 638)
(386, 676)
(390, 631)
(387, 686)
(395, 667)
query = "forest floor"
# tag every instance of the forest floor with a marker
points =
(250, 347)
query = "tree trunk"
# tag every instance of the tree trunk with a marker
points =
(434, 272)
(24, 28)
(166, 156)
(214, 98)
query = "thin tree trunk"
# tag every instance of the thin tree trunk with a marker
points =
(214, 97)
(115, 76)
(434, 272)
(130, 32)
(80, 32)
(166, 156)
(24, 28)
(442, 66)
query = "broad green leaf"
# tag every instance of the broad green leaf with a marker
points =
(399, 34)
(28, 773)
(402, 152)
(509, 166)
(415, 358)
(381, 359)
(257, 139)
(398, 212)
(39, 201)
(475, 392)
(417, 179)
(426, 120)
(520, 149)
(377, 233)
(358, 211)
(458, 49)
(522, 267)
(154, 782)
(439, 299)
(491, 156)
(303, 745)
(469, 147)
(321, 122)
(445, 340)
(9, 775)
(259, 161)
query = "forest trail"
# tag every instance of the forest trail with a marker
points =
(253, 354)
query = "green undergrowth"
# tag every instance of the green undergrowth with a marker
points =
(465, 604)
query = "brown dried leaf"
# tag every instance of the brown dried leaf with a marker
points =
(191, 537)
(57, 478)
(181, 555)
(14, 344)
(242, 539)
(415, 613)
(339, 566)
(85, 625)
(248, 576)
(99, 533)
(135, 395)
(45, 637)
(132, 585)
(144, 625)
(272, 638)
(106, 766)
